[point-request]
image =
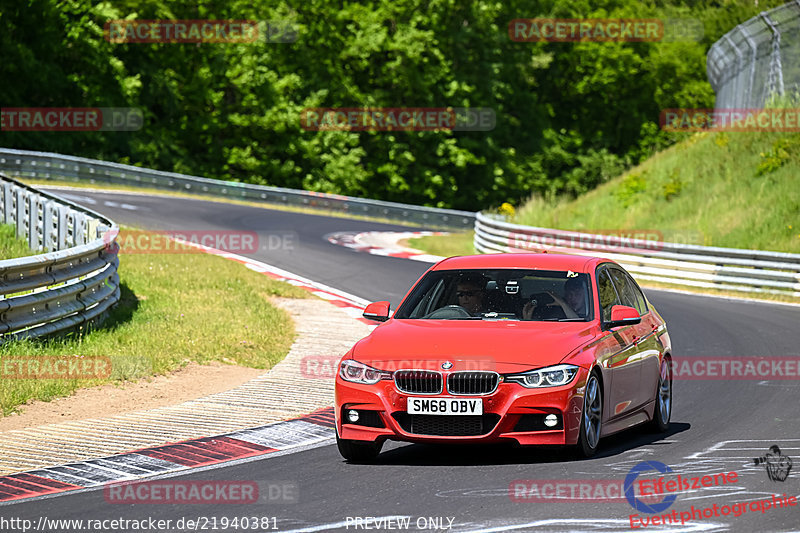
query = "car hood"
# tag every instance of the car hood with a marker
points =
(503, 345)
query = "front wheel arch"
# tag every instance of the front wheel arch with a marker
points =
(591, 425)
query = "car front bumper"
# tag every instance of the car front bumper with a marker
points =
(511, 413)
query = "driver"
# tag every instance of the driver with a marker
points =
(470, 292)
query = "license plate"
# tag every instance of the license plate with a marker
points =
(445, 406)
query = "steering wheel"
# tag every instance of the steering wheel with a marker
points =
(449, 311)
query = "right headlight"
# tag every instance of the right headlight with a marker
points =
(353, 371)
(551, 376)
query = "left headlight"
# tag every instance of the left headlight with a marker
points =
(351, 370)
(551, 376)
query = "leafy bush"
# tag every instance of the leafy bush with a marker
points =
(630, 187)
(775, 158)
(673, 187)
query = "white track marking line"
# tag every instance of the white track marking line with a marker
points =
(80, 199)
(720, 447)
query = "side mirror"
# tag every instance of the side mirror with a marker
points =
(622, 315)
(378, 311)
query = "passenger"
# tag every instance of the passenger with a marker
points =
(574, 298)
(573, 303)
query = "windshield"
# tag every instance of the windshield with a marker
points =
(508, 294)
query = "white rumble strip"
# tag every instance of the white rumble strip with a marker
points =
(281, 393)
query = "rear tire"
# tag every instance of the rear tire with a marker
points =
(355, 451)
(591, 417)
(663, 409)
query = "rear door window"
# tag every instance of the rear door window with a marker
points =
(627, 290)
(641, 301)
(607, 294)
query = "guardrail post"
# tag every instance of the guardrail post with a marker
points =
(72, 229)
(49, 233)
(35, 230)
(6, 203)
(10, 206)
(61, 227)
(91, 229)
(19, 220)
(80, 229)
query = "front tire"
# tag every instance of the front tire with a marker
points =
(591, 417)
(663, 409)
(359, 452)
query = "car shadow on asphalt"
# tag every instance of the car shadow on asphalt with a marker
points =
(402, 454)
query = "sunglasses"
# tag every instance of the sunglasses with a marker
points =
(468, 294)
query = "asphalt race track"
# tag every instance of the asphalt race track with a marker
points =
(717, 426)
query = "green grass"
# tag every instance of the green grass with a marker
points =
(12, 247)
(445, 245)
(737, 190)
(175, 309)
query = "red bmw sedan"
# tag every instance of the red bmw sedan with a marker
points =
(538, 349)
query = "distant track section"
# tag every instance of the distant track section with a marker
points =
(47, 166)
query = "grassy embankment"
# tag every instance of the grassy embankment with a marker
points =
(737, 190)
(175, 309)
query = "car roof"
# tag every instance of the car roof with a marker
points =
(533, 261)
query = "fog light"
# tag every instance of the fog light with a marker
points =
(352, 416)
(549, 420)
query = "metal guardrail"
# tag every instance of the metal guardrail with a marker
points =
(758, 59)
(679, 264)
(74, 282)
(45, 165)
